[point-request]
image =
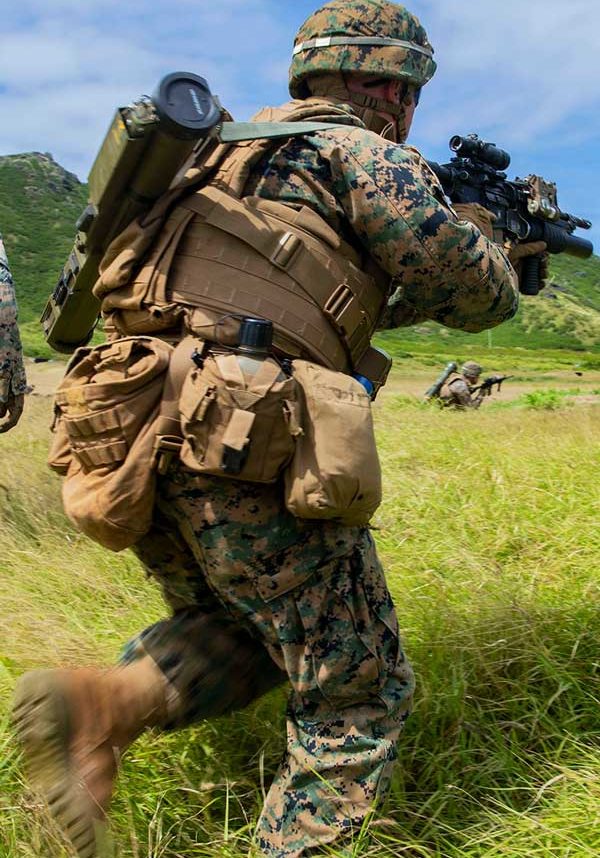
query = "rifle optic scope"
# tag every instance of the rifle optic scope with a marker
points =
(472, 147)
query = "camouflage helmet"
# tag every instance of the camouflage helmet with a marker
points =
(471, 368)
(374, 37)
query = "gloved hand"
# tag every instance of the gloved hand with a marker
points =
(13, 408)
(518, 252)
(477, 215)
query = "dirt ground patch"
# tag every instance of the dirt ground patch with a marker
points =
(586, 386)
(45, 377)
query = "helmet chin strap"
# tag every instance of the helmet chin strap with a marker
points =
(378, 104)
(393, 130)
(367, 107)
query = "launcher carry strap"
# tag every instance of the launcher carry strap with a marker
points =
(237, 132)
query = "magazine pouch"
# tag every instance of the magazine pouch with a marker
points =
(335, 470)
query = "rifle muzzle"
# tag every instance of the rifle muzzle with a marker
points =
(558, 240)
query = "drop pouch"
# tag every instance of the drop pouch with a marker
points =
(106, 408)
(335, 471)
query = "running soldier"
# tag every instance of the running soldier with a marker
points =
(256, 595)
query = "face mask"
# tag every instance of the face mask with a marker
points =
(370, 108)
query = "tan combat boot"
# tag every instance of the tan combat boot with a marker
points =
(73, 726)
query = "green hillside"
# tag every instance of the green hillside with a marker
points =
(40, 202)
(565, 315)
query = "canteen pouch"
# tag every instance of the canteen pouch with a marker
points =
(106, 410)
(235, 422)
(335, 471)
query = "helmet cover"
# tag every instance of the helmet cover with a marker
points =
(374, 37)
(471, 368)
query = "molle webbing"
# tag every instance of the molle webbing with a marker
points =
(226, 254)
(264, 261)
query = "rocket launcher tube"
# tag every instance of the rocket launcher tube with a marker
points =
(146, 146)
(434, 391)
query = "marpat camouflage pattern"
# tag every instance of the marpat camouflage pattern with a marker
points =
(314, 599)
(326, 43)
(12, 369)
(258, 596)
(385, 198)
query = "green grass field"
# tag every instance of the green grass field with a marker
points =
(489, 533)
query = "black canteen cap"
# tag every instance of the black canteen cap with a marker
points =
(256, 335)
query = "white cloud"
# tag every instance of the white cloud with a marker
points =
(65, 66)
(524, 74)
(517, 69)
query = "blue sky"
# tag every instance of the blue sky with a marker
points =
(522, 73)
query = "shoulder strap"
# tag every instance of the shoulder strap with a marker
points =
(236, 132)
(257, 138)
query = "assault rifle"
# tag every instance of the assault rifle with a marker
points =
(488, 383)
(525, 210)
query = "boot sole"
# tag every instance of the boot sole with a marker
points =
(40, 716)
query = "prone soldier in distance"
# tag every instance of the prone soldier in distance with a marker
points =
(13, 384)
(462, 390)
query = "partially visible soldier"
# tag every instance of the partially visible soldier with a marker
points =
(257, 595)
(13, 383)
(458, 392)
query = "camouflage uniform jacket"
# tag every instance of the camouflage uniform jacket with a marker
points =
(12, 370)
(384, 199)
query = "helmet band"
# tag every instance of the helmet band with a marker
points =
(370, 41)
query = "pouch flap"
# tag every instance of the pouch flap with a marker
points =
(238, 429)
(101, 455)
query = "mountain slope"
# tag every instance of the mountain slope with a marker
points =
(40, 202)
(565, 315)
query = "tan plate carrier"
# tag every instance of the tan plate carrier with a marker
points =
(217, 250)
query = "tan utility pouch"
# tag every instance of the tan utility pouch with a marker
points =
(107, 406)
(235, 421)
(335, 471)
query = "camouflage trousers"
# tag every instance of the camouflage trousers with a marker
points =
(259, 597)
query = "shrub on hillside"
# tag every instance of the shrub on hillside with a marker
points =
(545, 400)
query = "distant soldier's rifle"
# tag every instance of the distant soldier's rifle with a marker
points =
(488, 383)
(526, 210)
